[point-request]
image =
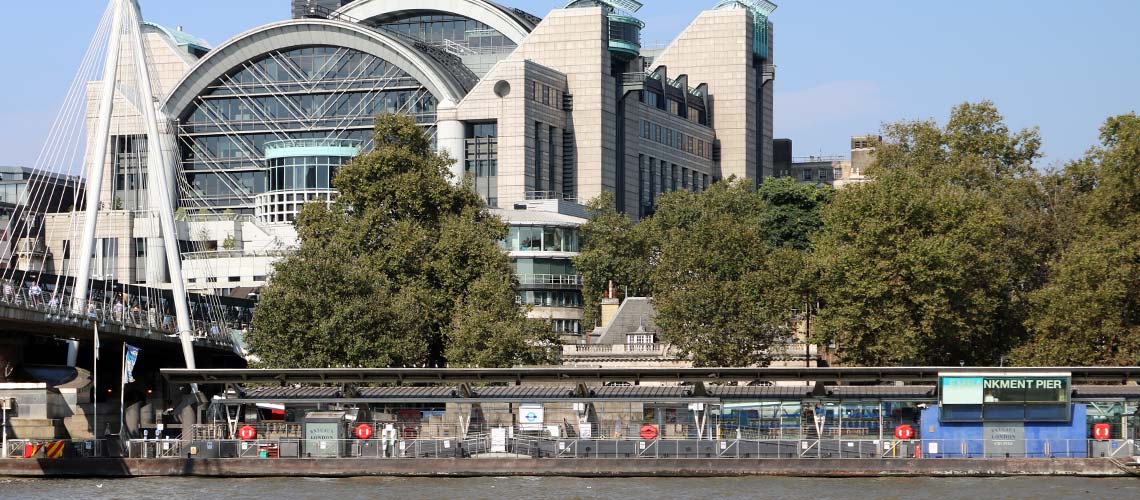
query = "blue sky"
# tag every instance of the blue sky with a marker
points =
(844, 67)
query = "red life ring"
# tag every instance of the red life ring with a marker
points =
(1101, 431)
(363, 431)
(904, 432)
(648, 432)
(247, 433)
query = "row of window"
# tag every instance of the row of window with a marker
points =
(569, 326)
(307, 66)
(673, 106)
(247, 150)
(545, 94)
(550, 298)
(435, 28)
(541, 239)
(807, 174)
(658, 176)
(316, 172)
(545, 159)
(275, 208)
(675, 139)
(309, 107)
(482, 160)
(561, 267)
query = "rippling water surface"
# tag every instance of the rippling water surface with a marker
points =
(572, 488)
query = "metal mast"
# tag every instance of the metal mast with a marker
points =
(161, 197)
(158, 170)
(98, 159)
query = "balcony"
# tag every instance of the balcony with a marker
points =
(553, 280)
(656, 350)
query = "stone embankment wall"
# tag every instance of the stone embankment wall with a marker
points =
(561, 467)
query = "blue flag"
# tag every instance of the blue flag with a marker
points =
(132, 356)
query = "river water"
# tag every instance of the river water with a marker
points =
(528, 488)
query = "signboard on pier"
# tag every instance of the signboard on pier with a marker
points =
(530, 417)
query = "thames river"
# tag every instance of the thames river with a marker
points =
(503, 488)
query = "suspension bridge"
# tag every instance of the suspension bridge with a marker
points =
(94, 239)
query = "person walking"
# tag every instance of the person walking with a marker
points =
(9, 293)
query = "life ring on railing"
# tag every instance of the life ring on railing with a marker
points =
(363, 431)
(904, 432)
(648, 432)
(247, 433)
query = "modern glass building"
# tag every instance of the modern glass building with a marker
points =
(540, 113)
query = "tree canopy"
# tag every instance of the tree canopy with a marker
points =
(724, 267)
(404, 269)
(1088, 313)
(924, 264)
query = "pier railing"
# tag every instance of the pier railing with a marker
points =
(534, 446)
(500, 444)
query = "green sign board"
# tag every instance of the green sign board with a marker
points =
(976, 389)
(1000, 397)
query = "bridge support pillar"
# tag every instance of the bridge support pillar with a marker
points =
(72, 352)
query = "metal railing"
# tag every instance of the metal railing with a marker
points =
(117, 313)
(550, 279)
(534, 446)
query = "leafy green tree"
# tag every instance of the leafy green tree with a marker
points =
(389, 274)
(613, 249)
(723, 291)
(794, 211)
(1089, 311)
(931, 262)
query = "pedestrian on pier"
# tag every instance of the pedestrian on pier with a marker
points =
(9, 293)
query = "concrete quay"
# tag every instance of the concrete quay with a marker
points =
(691, 467)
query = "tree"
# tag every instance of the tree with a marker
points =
(723, 291)
(391, 273)
(931, 262)
(1089, 311)
(613, 249)
(794, 211)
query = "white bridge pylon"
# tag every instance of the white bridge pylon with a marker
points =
(127, 24)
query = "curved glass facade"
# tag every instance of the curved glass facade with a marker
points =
(318, 92)
(305, 172)
(448, 30)
(299, 172)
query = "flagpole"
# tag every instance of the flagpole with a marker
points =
(122, 390)
(95, 385)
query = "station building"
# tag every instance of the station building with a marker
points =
(538, 112)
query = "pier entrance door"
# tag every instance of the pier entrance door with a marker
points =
(647, 449)
(813, 420)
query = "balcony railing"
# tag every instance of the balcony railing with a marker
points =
(780, 351)
(615, 349)
(550, 279)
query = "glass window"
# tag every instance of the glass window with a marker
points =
(551, 241)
